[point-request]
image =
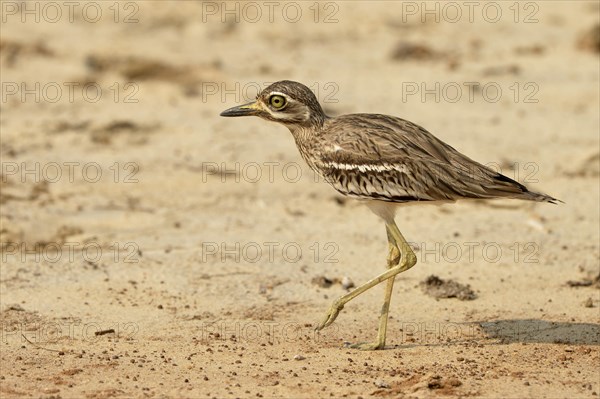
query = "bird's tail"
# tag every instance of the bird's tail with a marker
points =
(524, 193)
(540, 197)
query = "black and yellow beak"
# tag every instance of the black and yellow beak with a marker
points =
(249, 109)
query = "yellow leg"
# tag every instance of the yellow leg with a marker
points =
(396, 264)
(392, 260)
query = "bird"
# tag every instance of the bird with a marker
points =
(385, 162)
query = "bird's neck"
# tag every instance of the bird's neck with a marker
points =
(305, 133)
(306, 142)
(301, 134)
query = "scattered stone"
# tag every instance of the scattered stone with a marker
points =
(137, 133)
(262, 289)
(581, 283)
(454, 382)
(596, 281)
(203, 316)
(71, 372)
(438, 288)
(326, 282)
(435, 382)
(341, 201)
(536, 49)
(299, 357)
(382, 384)
(585, 282)
(104, 332)
(411, 51)
(589, 303)
(347, 283)
(322, 281)
(511, 69)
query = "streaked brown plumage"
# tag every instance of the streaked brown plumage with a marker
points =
(380, 158)
(371, 156)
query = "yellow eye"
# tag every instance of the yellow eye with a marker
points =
(277, 101)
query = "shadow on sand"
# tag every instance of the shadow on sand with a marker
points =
(497, 332)
(540, 331)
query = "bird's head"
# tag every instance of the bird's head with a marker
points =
(287, 102)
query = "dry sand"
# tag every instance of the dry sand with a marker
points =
(142, 212)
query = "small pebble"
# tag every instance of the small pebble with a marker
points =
(299, 357)
(347, 283)
(455, 382)
(381, 384)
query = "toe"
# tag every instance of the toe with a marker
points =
(368, 346)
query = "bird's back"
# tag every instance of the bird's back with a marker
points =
(374, 156)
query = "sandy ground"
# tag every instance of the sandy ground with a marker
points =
(151, 248)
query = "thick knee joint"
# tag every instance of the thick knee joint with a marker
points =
(393, 257)
(409, 261)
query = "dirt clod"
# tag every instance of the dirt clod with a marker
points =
(404, 51)
(322, 281)
(438, 288)
(590, 39)
(435, 382)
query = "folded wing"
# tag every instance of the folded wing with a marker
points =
(391, 159)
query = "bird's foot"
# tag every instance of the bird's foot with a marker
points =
(368, 346)
(331, 315)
